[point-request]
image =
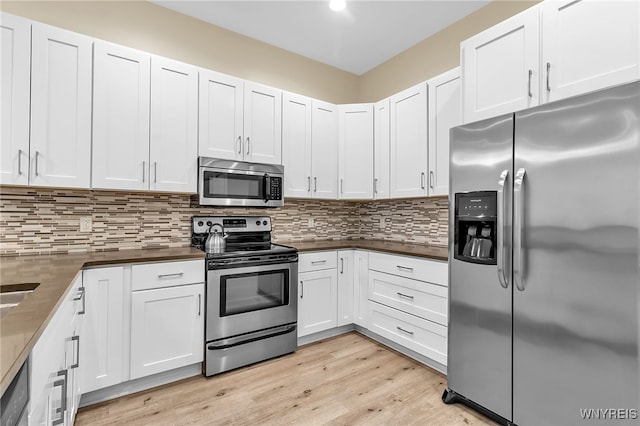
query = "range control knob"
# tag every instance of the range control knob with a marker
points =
(258, 222)
(200, 223)
(264, 222)
(209, 223)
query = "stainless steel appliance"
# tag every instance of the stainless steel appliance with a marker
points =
(251, 293)
(238, 183)
(543, 330)
(15, 400)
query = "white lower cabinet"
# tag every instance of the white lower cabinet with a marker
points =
(360, 287)
(317, 292)
(345, 287)
(55, 363)
(167, 329)
(106, 325)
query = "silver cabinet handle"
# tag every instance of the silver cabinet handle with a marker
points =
(529, 84)
(81, 296)
(248, 144)
(36, 170)
(315, 184)
(318, 262)
(20, 162)
(405, 331)
(431, 180)
(199, 304)
(404, 295)
(308, 183)
(174, 275)
(518, 219)
(375, 185)
(301, 289)
(548, 73)
(404, 268)
(144, 166)
(422, 180)
(77, 340)
(63, 404)
(500, 232)
(239, 145)
(341, 187)
(155, 171)
(342, 265)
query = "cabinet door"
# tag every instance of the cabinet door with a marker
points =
(355, 159)
(360, 287)
(324, 150)
(381, 139)
(409, 142)
(296, 145)
(588, 45)
(102, 345)
(444, 113)
(173, 151)
(262, 124)
(60, 108)
(220, 111)
(120, 117)
(345, 287)
(317, 307)
(167, 329)
(15, 66)
(500, 68)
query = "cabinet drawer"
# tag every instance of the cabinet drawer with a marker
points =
(433, 271)
(419, 335)
(166, 274)
(419, 298)
(316, 261)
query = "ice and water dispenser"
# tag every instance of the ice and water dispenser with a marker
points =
(475, 227)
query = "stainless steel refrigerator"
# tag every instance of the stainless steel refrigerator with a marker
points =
(544, 262)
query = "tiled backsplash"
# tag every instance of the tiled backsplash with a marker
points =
(45, 221)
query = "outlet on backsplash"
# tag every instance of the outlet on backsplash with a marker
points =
(85, 224)
(381, 223)
(311, 222)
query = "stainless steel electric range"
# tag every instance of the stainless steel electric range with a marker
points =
(251, 293)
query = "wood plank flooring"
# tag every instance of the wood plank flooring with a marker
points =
(346, 380)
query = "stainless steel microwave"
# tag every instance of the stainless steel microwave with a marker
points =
(238, 183)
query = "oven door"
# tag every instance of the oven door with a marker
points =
(247, 299)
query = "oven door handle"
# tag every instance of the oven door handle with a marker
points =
(251, 337)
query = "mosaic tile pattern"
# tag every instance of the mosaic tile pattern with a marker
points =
(46, 221)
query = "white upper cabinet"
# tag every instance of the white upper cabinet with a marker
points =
(355, 147)
(173, 155)
(500, 67)
(381, 135)
(120, 117)
(324, 150)
(444, 113)
(588, 45)
(262, 123)
(296, 145)
(60, 108)
(408, 156)
(15, 39)
(239, 120)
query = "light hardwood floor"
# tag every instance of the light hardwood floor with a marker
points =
(345, 380)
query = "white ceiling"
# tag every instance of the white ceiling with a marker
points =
(363, 36)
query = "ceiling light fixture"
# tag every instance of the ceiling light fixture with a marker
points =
(337, 5)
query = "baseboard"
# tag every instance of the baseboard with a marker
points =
(321, 335)
(138, 385)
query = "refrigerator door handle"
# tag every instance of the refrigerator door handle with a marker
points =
(502, 214)
(518, 219)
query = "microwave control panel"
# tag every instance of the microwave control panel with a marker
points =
(275, 192)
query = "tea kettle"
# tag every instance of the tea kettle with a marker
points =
(216, 240)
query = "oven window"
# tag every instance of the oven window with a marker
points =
(236, 186)
(253, 291)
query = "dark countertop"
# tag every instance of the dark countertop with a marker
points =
(23, 325)
(394, 247)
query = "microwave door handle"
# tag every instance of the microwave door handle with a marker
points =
(267, 188)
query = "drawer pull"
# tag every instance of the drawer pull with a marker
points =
(404, 268)
(318, 262)
(76, 339)
(405, 331)
(404, 295)
(176, 275)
